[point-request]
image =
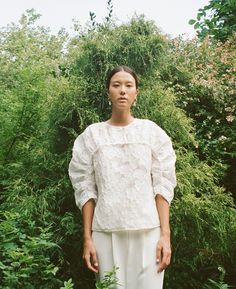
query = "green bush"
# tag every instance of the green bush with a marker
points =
(24, 253)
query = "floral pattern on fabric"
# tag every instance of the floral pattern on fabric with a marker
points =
(123, 168)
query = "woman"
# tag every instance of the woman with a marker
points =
(123, 174)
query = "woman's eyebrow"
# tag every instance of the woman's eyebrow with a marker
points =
(117, 81)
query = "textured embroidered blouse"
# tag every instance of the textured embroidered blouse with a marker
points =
(123, 168)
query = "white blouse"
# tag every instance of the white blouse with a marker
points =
(123, 168)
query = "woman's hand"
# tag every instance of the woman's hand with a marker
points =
(163, 253)
(90, 255)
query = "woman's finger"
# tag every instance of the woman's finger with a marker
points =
(88, 263)
(95, 260)
(158, 253)
(165, 260)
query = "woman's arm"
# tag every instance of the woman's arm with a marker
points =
(163, 246)
(89, 250)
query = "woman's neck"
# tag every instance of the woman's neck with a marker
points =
(120, 118)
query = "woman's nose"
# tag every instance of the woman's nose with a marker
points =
(122, 91)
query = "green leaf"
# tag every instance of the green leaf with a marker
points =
(199, 15)
(2, 266)
(191, 21)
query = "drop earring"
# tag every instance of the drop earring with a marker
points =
(135, 102)
(109, 102)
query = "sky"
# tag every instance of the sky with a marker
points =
(171, 16)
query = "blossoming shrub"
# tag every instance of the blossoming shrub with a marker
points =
(202, 75)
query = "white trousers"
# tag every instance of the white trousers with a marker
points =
(134, 253)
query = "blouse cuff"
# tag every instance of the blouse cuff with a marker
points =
(82, 199)
(164, 192)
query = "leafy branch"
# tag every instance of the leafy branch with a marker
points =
(108, 280)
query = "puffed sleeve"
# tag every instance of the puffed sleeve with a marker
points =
(163, 165)
(81, 172)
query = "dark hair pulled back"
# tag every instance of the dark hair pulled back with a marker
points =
(118, 69)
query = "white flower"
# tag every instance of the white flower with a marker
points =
(230, 118)
(222, 138)
(228, 109)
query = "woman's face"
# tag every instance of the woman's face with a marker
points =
(122, 90)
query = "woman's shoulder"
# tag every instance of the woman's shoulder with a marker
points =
(156, 132)
(150, 124)
(146, 121)
(95, 127)
(86, 132)
(89, 136)
(91, 127)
